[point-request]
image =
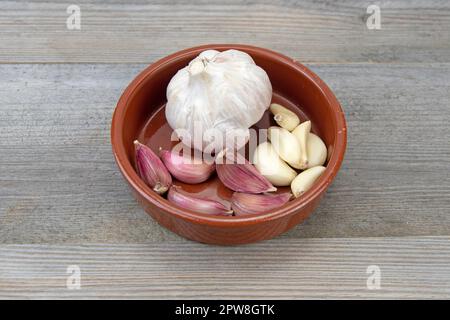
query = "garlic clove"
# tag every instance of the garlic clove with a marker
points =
(244, 203)
(185, 169)
(151, 169)
(284, 117)
(305, 180)
(286, 145)
(301, 133)
(243, 177)
(197, 204)
(317, 151)
(271, 166)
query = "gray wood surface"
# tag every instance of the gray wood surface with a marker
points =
(60, 183)
(63, 201)
(141, 31)
(278, 269)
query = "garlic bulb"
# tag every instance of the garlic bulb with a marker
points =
(218, 93)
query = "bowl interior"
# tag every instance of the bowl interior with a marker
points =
(293, 86)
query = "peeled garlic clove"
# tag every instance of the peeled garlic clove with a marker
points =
(151, 169)
(197, 204)
(284, 117)
(270, 165)
(305, 180)
(244, 203)
(317, 151)
(185, 169)
(301, 133)
(243, 177)
(286, 145)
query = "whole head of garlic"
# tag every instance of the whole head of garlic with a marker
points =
(217, 96)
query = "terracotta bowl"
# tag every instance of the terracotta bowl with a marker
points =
(140, 115)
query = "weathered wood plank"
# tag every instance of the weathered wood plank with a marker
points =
(59, 183)
(140, 31)
(284, 268)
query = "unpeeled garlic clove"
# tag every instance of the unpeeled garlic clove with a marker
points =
(317, 151)
(305, 180)
(286, 145)
(197, 204)
(242, 177)
(284, 117)
(244, 203)
(271, 166)
(301, 133)
(151, 169)
(186, 169)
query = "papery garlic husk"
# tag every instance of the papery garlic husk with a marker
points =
(284, 117)
(245, 203)
(185, 169)
(317, 151)
(302, 133)
(198, 204)
(286, 145)
(241, 176)
(151, 169)
(222, 92)
(271, 166)
(305, 180)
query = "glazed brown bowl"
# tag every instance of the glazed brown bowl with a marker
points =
(140, 115)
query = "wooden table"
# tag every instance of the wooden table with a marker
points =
(64, 203)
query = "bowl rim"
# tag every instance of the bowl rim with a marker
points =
(291, 207)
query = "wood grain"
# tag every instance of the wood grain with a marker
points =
(59, 183)
(141, 31)
(63, 201)
(290, 269)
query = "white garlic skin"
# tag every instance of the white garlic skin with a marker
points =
(317, 151)
(222, 91)
(271, 166)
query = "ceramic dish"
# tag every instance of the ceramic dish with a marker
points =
(140, 115)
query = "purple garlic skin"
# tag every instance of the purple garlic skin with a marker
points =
(186, 170)
(198, 204)
(243, 177)
(151, 169)
(244, 203)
